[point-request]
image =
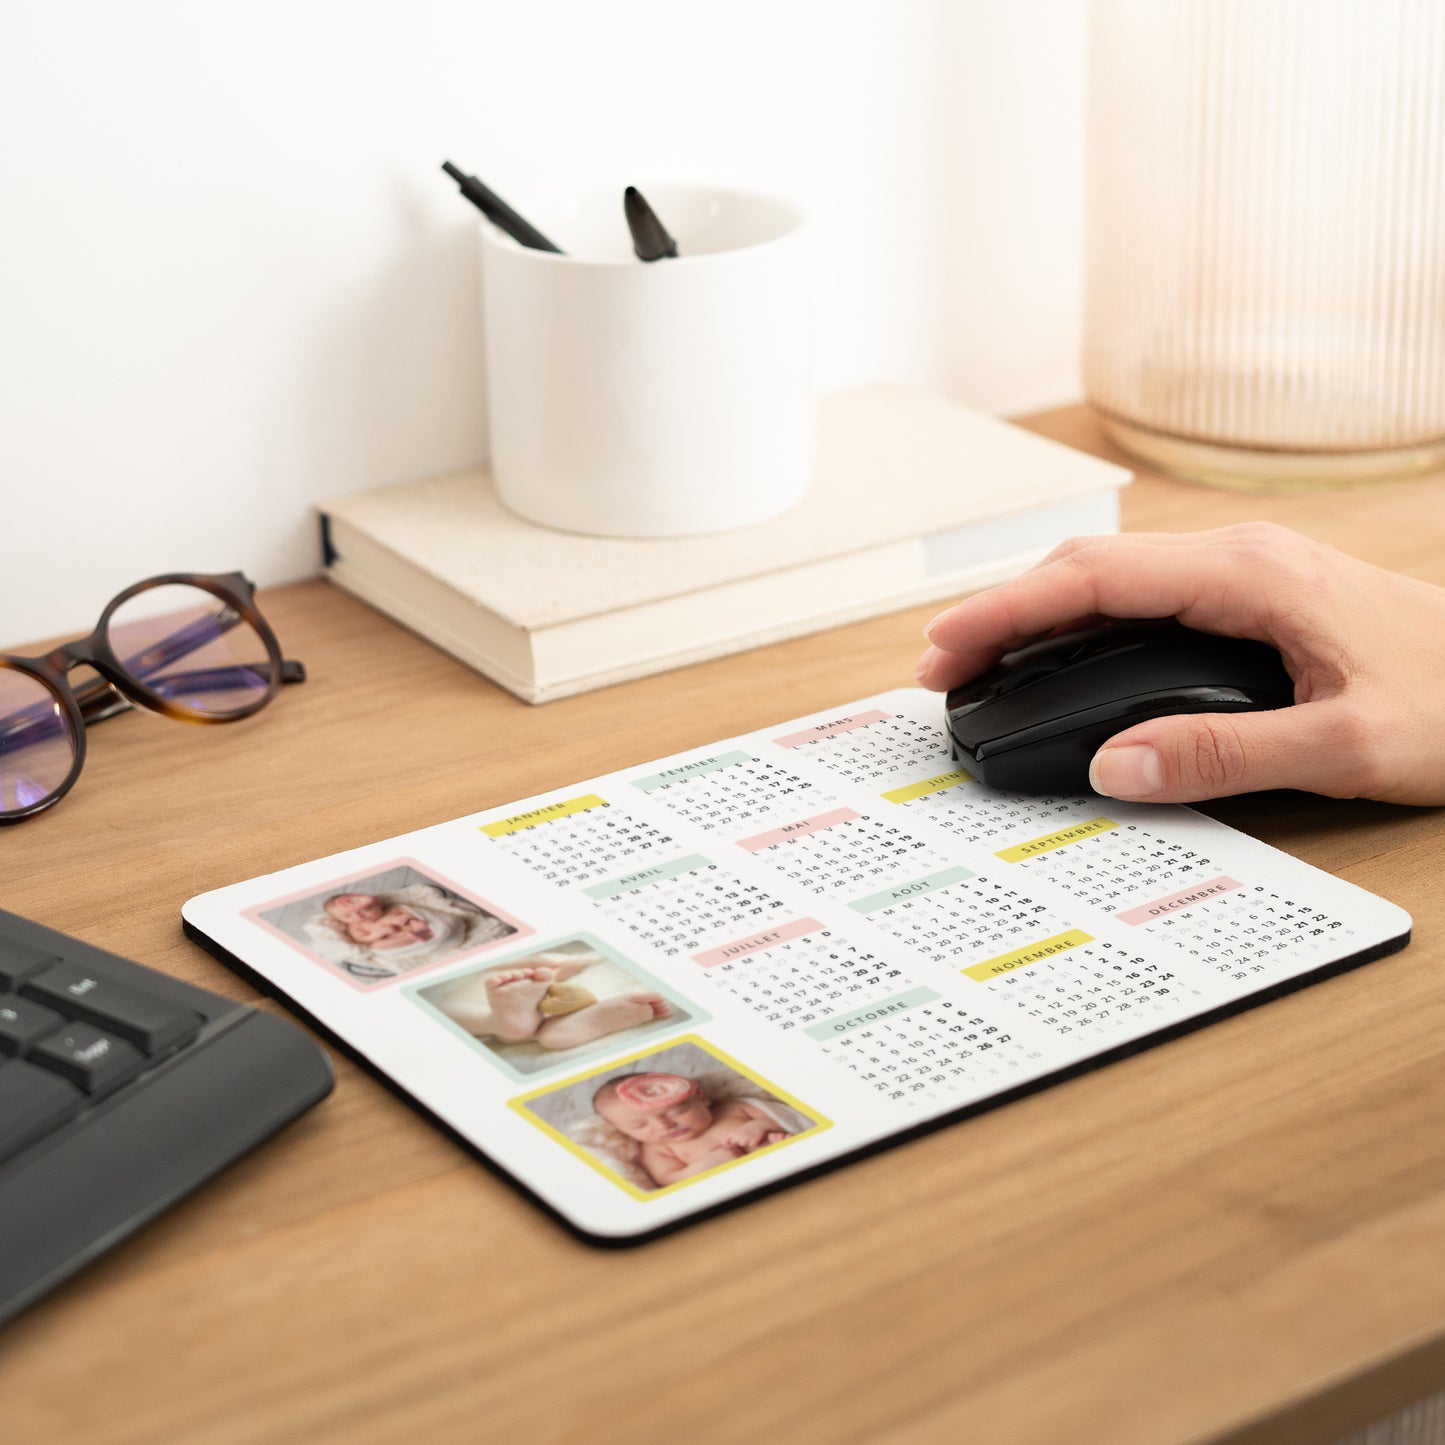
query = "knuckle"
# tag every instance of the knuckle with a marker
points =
(1266, 545)
(1278, 548)
(1090, 558)
(1291, 570)
(1262, 537)
(1067, 548)
(1349, 731)
(1360, 738)
(1082, 551)
(1213, 755)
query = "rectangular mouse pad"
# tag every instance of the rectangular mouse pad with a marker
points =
(654, 994)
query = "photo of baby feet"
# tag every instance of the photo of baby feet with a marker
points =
(514, 995)
(607, 1017)
(534, 1008)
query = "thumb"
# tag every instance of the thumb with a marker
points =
(1215, 755)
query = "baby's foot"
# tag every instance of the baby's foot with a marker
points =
(606, 1017)
(514, 995)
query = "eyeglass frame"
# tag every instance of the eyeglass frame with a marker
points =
(115, 691)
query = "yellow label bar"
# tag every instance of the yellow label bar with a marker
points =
(1061, 839)
(929, 785)
(543, 815)
(1034, 953)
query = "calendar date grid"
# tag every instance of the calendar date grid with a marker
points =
(1102, 990)
(870, 749)
(688, 904)
(574, 842)
(731, 791)
(1249, 936)
(938, 1054)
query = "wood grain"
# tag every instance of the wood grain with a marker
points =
(1236, 1236)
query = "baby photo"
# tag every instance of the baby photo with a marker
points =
(665, 1117)
(533, 1011)
(377, 928)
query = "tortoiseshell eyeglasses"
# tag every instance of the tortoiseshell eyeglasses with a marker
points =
(186, 645)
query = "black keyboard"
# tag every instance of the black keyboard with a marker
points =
(121, 1090)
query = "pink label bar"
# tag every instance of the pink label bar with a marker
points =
(827, 730)
(741, 947)
(1187, 898)
(789, 831)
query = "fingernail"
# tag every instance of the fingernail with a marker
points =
(928, 630)
(1132, 771)
(925, 663)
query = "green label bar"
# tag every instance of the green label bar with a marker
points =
(931, 883)
(691, 770)
(870, 1013)
(611, 887)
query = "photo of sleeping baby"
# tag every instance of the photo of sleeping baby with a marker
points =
(534, 1011)
(376, 928)
(663, 1118)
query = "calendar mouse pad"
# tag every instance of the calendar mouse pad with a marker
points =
(653, 994)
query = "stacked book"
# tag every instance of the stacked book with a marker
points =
(914, 499)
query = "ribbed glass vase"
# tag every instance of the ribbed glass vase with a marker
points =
(1265, 296)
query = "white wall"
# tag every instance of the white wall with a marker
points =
(233, 280)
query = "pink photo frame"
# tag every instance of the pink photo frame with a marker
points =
(351, 881)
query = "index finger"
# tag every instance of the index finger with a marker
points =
(1208, 580)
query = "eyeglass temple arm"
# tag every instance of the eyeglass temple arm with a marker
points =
(185, 639)
(99, 700)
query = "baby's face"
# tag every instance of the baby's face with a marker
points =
(349, 908)
(674, 1124)
(396, 927)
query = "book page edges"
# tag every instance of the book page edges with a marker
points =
(894, 463)
(560, 660)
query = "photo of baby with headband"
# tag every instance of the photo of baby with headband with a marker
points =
(671, 1116)
(681, 1128)
(388, 924)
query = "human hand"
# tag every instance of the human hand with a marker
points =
(723, 1154)
(1365, 648)
(750, 1135)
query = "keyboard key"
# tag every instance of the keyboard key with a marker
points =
(31, 1103)
(22, 1022)
(150, 1023)
(80, 1171)
(85, 1056)
(19, 961)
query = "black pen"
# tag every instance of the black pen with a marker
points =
(650, 240)
(498, 212)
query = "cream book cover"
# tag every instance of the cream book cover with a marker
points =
(914, 498)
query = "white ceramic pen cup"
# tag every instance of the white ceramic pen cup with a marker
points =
(652, 399)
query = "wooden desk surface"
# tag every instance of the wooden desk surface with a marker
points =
(1237, 1236)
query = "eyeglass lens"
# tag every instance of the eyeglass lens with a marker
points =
(192, 648)
(37, 745)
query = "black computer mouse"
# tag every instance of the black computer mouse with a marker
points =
(1034, 721)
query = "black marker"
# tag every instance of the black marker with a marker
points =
(649, 236)
(498, 212)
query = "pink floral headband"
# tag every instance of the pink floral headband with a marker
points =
(651, 1092)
